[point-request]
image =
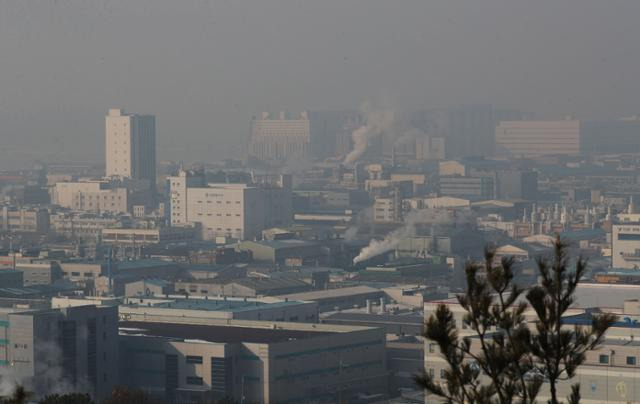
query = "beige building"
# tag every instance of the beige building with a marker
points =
(83, 225)
(130, 146)
(538, 138)
(238, 211)
(625, 245)
(27, 220)
(92, 196)
(139, 237)
(280, 138)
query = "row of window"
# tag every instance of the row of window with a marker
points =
(220, 214)
(604, 359)
(228, 202)
(86, 274)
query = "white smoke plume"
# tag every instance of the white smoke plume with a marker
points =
(388, 243)
(437, 217)
(378, 122)
(8, 381)
(393, 126)
(50, 377)
(351, 233)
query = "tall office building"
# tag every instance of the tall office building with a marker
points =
(538, 138)
(131, 146)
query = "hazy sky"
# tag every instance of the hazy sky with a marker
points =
(204, 67)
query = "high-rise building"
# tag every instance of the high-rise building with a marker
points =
(538, 138)
(280, 139)
(131, 146)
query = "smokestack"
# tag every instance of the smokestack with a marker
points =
(632, 206)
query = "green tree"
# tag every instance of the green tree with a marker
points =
(560, 350)
(492, 366)
(503, 361)
(125, 395)
(69, 398)
(19, 396)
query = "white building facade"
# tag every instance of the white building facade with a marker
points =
(625, 246)
(93, 196)
(238, 211)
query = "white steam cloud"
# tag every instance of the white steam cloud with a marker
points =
(386, 123)
(351, 233)
(378, 122)
(436, 217)
(50, 379)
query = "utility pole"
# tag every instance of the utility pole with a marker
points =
(13, 253)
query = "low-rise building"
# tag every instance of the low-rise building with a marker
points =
(263, 308)
(25, 220)
(84, 273)
(140, 237)
(336, 299)
(72, 348)
(246, 287)
(290, 252)
(148, 287)
(96, 196)
(39, 273)
(253, 361)
(625, 245)
(87, 226)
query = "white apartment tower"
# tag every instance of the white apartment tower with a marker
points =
(131, 146)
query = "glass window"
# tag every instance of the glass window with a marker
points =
(195, 380)
(194, 359)
(631, 360)
(604, 359)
